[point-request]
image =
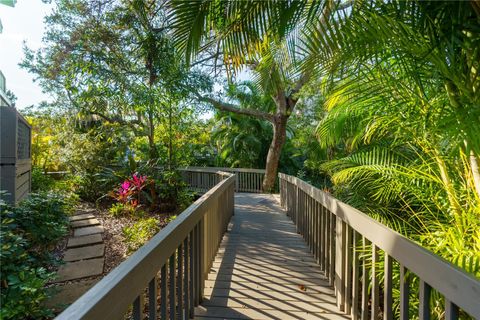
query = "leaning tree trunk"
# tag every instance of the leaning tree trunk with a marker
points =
(274, 152)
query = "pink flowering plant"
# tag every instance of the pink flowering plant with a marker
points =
(130, 190)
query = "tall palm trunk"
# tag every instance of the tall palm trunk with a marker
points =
(274, 152)
(475, 171)
(447, 184)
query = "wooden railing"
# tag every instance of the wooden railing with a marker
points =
(202, 179)
(169, 271)
(356, 252)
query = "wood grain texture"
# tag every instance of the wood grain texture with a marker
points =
(264, 269)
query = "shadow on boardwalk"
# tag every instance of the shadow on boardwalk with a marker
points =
(264, 270)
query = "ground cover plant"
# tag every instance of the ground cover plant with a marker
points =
(27, 235)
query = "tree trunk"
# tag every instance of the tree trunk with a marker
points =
(170, 139)
(153, 153)
(475, 171)
(274, 152)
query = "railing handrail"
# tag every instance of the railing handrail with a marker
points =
(248, 180)
(111, 297)
(453, 283)
(215, 169)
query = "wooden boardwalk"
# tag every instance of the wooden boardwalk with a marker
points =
(264, 270)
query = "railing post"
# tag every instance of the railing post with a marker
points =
(340, 237)
(202, 257)
(297, 207)
(282, 192)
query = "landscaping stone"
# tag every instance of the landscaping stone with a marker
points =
(82, 216)
(85, 240)
(67, 294)
(87, 231)
(80, 269)
(83, 253)
(83, 211)
(85, 223)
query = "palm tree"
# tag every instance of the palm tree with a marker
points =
(417, 54)
(402, 112)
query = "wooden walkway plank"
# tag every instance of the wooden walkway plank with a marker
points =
(264, 269)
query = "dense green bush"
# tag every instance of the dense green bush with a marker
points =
(26, 234)
(22, 288)
(42, 218)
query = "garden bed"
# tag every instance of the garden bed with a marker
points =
(116, 250)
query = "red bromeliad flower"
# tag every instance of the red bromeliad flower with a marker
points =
(130, 189)
(139, 181)
(125, 185)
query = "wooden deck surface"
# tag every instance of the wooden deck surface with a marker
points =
(264, 270)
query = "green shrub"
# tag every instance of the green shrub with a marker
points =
(43, 218)
(139, 233)
(23, 275)
(122, 209)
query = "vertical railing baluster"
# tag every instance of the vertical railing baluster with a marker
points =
(308, 224)
(196, 272)
(365, 280)
(424, 300)
(304, 214)
(172, 287)
(323, 239)
(193, 286)
(152, 299)
(300, 211)
(327, 242)
(137, 309)
(387, 288)
(297, 208)
(451, 310)
(348, 268)
(308, 221)
(340, 237)
(317, 231)
(319, 235)
(404, 293)
(180, 281)
(375, 284)
(163, 292)
(331, 250)
(355, 276)
(313, 227)
(201, 258)
(186, 286)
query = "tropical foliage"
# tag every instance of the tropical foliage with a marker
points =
(405, 149)
(375, 101)
(140, 232)
(27, 233)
